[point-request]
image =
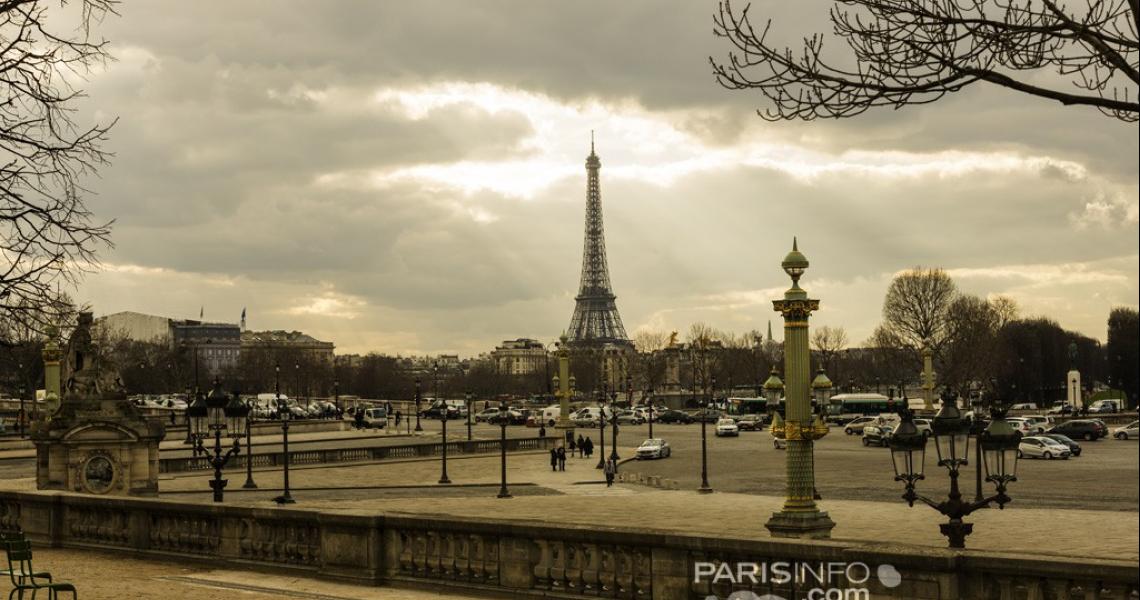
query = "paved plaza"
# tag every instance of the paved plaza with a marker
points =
(107, 575)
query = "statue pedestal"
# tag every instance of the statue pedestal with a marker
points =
(96, 442)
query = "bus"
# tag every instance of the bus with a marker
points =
(845, 407)
(752, 406)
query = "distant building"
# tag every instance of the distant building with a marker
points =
(287, 340)
(136, 326)
(519, 357)
(218, 345)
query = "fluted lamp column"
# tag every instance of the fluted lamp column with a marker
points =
(800, 517)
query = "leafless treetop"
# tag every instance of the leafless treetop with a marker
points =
(916, 51)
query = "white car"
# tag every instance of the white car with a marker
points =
(1020, 424)
(1128, 432)
(1039, 423)
(925, 426)
(856, 425)
(727, 427)
(654, 448)
(779, 443)
(1042, 447)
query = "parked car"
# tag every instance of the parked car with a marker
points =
(1023, 406)
(926, 426)
(726, 427)
(1042, 447)
(1039, 424)
(487, 415)
(1128, 432)
(877, 435)
(654, 448)
(779, 443)
(673, 416)
(857, 424)
(1106, 406)
(1021, 425)
(629, 417)
(1060, 408)
(706, 415)
(750, 423)
(1065, 440)
(1085, 429)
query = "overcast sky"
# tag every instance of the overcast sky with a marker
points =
(409, 177)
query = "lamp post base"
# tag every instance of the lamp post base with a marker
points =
(249, 485)
(956, 531)
(704, 489)
(804, 525)
(286, 499)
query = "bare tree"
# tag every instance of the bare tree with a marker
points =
(917, 51)
(47, 235)
(915, 311)
(970, 354)
(649, 361)
(828, 341)
(1005, 309)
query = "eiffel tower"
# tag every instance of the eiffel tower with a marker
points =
(596, 320)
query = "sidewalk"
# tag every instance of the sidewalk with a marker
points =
(113, 576)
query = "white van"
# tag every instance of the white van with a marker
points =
(588, 417)
(551, 414)
(375, 418)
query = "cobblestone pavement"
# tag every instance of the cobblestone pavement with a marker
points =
(109, 576)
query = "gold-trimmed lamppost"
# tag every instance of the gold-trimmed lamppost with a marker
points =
(799, 517)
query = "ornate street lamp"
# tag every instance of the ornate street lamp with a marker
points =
(504, 419)
(998, 447)
(284, 414)
(705, 488)
(443, 456)
(799, 517)
(218, 414)
(614, 420)
(649, 399)
(249, 483)
(602, 428)
(418, 426)
(467, 397)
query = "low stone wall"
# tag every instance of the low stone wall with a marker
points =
(354, 454)
(521, 559)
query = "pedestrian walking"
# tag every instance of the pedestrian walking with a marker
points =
(561, 458)
(611, 472)
(542, 431)
(553, 459)
(358, 418)
(398, 417)
(573, 445)
(581, 446)
(589, 447)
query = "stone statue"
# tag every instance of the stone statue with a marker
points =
(1073, 356)
(86, 376)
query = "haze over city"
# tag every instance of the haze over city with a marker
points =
(394, 186)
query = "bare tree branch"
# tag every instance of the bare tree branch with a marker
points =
(904, 52)
(48, 237)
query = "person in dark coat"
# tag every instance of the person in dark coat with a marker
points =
(542, 431)
(553, 459)
(561, 458)
(589, 447)
(611, 472)
(573, 445)
(581, 446)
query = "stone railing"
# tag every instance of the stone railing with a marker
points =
(531, 559)
(355, 454)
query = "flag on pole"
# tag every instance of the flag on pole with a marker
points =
(202, 312)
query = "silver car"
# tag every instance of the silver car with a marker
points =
(1042, 447)
(654, 448)
(1128, 432)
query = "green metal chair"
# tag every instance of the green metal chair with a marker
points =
(25, 578)
(15, 535)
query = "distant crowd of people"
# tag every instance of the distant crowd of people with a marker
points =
(583, 447)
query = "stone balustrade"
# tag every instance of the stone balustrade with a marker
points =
(531, 559)
(355, 454)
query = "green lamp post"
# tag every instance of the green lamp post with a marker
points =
(800, 517)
